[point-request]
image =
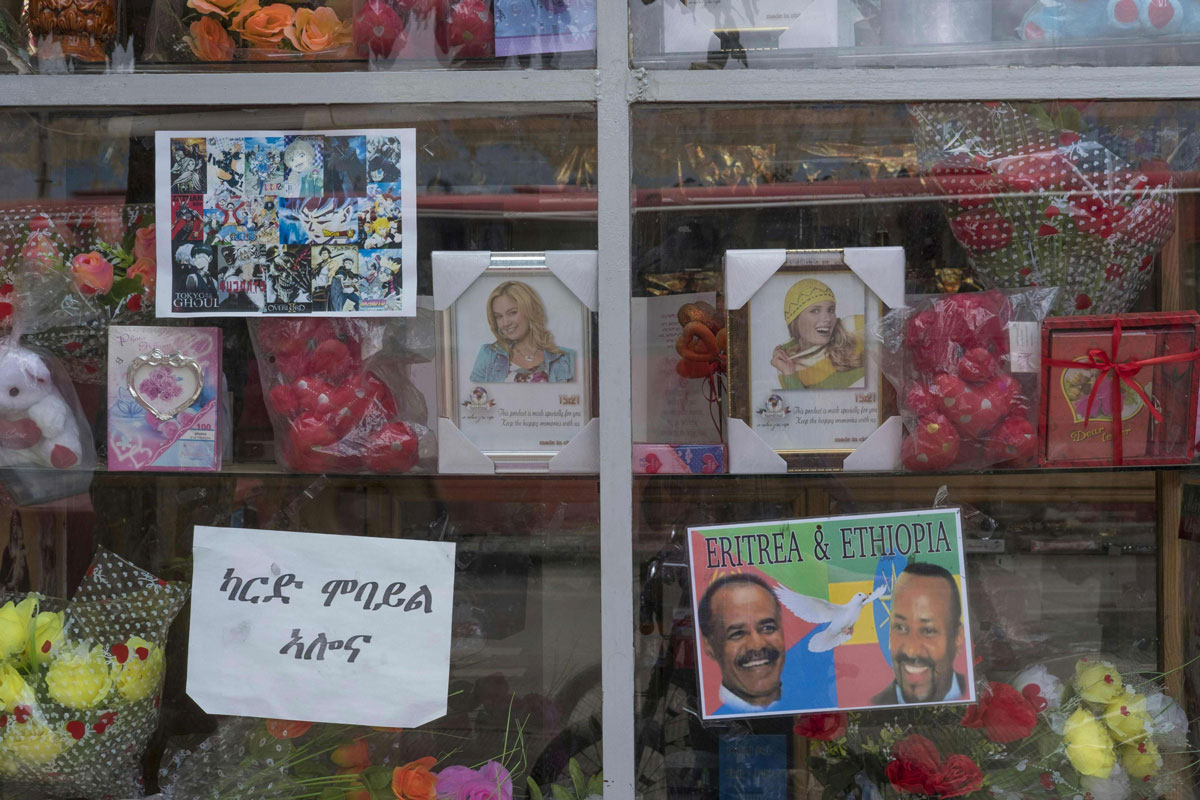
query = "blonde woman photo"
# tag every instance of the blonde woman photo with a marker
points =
(524, 350)
(825, 352)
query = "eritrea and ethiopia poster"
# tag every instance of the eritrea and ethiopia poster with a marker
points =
(807, 615)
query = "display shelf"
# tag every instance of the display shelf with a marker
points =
(289, 88)
(523, 488)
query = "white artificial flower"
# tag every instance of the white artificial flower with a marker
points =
(1168, 722)
(1049, 687)
(1114, 787)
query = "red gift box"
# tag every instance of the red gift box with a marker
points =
(1119, 389)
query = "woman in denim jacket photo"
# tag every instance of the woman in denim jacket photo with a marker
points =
(524, 350)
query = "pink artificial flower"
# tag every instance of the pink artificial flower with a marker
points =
(491, 782)
(143, 243)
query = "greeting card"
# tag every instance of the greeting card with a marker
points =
(163, 398)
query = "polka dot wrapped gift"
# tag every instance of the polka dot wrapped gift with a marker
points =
(1036, 203)
(80, 682)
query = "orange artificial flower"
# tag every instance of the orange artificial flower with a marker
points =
(92, 272)
(266, 26)
(286, 728)
(352, 756)
(143, 268)
(221, 8)
(209, 41)
(415, 781)
(314, 31)
(143, 242)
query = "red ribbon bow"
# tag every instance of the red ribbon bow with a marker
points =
(1124, 372)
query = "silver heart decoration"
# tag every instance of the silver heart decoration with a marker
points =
(156, 358)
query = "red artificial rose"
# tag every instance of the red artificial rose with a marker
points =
(908, 777)
(1004, 714)
(824, 727)
(915, 762)
(959, 775)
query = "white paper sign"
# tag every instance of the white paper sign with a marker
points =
(321, 628)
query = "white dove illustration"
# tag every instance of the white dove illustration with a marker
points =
(841, 618)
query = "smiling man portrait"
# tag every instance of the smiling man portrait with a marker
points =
(926, 634)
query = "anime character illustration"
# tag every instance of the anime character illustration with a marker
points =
(289, 278)
(379, 219)
(241, 271)
(318, 220)
(226, 164)
(379, 279)
(264, 165)
(187, 166)
(524, 350)
(384, 154)
(227, 220)
(334, 274)
(824, 351)
(345, 165)
(264, 218)
(187, 218)
(193, 274)
(303, 167)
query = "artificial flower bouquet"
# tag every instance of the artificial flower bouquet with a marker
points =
(254, 759)
(1036, 202)
(80, 682)
(1094, 735)
(72, 271)
(338, 394)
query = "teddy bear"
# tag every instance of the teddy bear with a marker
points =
(37, 426)
(964, 410)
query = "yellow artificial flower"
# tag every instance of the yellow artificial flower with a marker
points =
(47, 635)
(139, 676)
(1097, 681)
(1141, 759)
(79, 679)
(1088, 745)
(14, 691)
(1126, 718)
(30, 744)
(14, 626)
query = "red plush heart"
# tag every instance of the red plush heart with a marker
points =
(22, 714)
(3, 720)
(918, 400)
(311, 430)
(120, 652)
(1014, 439)
(19, 434)
(107, 717)
(77, 729)
(393, 449)
(99, 727)
(932, 445)
(142, 653)
(63, 457)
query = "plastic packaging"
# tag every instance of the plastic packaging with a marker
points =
(339, 395)
(41, 422)
(965, 371)
(80, 683)
(1037, 203)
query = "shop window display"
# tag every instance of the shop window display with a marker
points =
(1022, 230)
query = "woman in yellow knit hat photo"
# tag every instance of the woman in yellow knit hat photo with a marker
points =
(824, 351)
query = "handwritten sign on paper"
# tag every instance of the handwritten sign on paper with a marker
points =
(308, 626)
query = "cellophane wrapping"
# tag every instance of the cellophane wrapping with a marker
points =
(80, 683)
(339, 395)
(967, 399)
(1035, 203)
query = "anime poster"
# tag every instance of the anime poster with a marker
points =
(806, 615)
(287, 222)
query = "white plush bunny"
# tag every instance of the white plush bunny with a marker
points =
(37, 426)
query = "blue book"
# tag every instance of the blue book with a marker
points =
(544, 26)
